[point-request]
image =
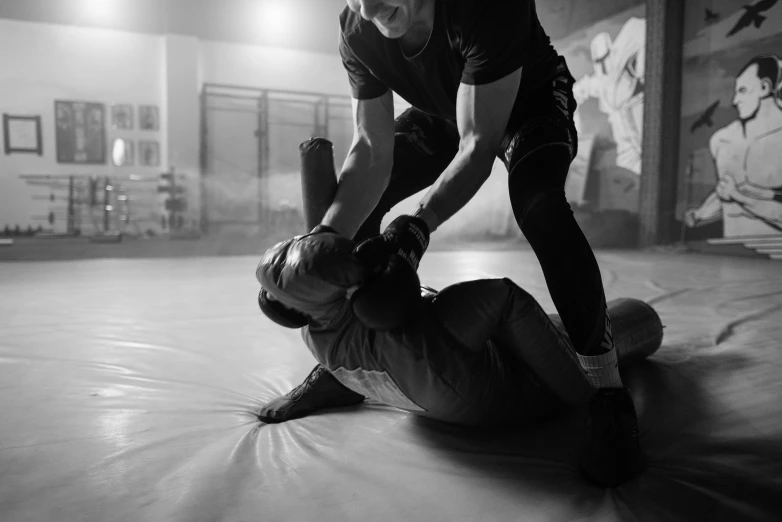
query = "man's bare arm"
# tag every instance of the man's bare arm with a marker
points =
(367, 168)
(482, 113)
(760, 202)
(709, 210)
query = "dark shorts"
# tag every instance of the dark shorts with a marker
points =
(546, 119)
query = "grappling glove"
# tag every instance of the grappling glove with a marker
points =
(406, 236)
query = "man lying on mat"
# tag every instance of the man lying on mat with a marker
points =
(475, 353)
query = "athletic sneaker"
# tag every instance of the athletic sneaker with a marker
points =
(611, 454)
(318, 391)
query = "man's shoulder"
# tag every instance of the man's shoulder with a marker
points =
(731, 133)
(350, 23)
(734, 129)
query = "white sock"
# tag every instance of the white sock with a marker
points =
(602, 370)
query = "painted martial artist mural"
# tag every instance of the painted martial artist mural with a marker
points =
(607, 61)
(617, 84)
(730, 188)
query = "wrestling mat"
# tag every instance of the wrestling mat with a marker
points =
(129, 386)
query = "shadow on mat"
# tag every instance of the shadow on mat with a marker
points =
(695, 463)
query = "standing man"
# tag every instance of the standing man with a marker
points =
(484, 81)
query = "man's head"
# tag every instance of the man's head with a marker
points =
(759, 79)
(600, 49)
(392, 17)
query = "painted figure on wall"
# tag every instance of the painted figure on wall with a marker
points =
(618, 84)
(747, 155)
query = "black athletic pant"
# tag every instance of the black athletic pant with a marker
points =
(537, 154)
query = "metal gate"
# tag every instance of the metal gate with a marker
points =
(250, 140)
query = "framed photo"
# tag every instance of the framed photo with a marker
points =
(149, 153)
(148, 118)
(22, 134)
(122, 152)
(80, 132)
(122, 116)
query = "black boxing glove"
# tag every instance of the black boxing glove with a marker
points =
(322, 229)
(309, 274)
(279, 313)
(406, 236)
(390, 298)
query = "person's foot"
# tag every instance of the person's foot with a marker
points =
(319, 390)
(611, 454)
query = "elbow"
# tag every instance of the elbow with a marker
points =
(480, 152)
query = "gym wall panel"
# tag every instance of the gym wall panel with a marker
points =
(41, 63)
(730, 179)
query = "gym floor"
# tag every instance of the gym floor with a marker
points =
(129, 386)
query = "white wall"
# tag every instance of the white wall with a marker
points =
(41, 63)
(271, 68)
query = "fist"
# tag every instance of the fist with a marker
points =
(406, 236)
(726, 188)
(691, 218)
(390, 298)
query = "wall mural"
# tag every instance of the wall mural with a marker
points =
(617, 82)
(730, 190)
(607, 60)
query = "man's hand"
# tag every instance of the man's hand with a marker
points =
(407, 236)
(726, 189)
(691, 217)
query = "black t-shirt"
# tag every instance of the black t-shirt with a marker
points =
(472, 41)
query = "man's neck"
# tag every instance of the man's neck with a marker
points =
(768, 118)
(415, 39)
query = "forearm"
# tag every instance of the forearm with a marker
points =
(457, 185)
(364, 178)
(766, 209)
(710, 209)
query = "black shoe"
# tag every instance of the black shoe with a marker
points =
(611, 454)
(318, 391)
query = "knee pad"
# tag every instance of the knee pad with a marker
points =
(423, 145)
(425, 134)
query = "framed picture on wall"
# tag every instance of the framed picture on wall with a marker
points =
(22, 134)
(80, 132)
(148, 117)
(122, 152)
(122, 116)
(149, 153)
